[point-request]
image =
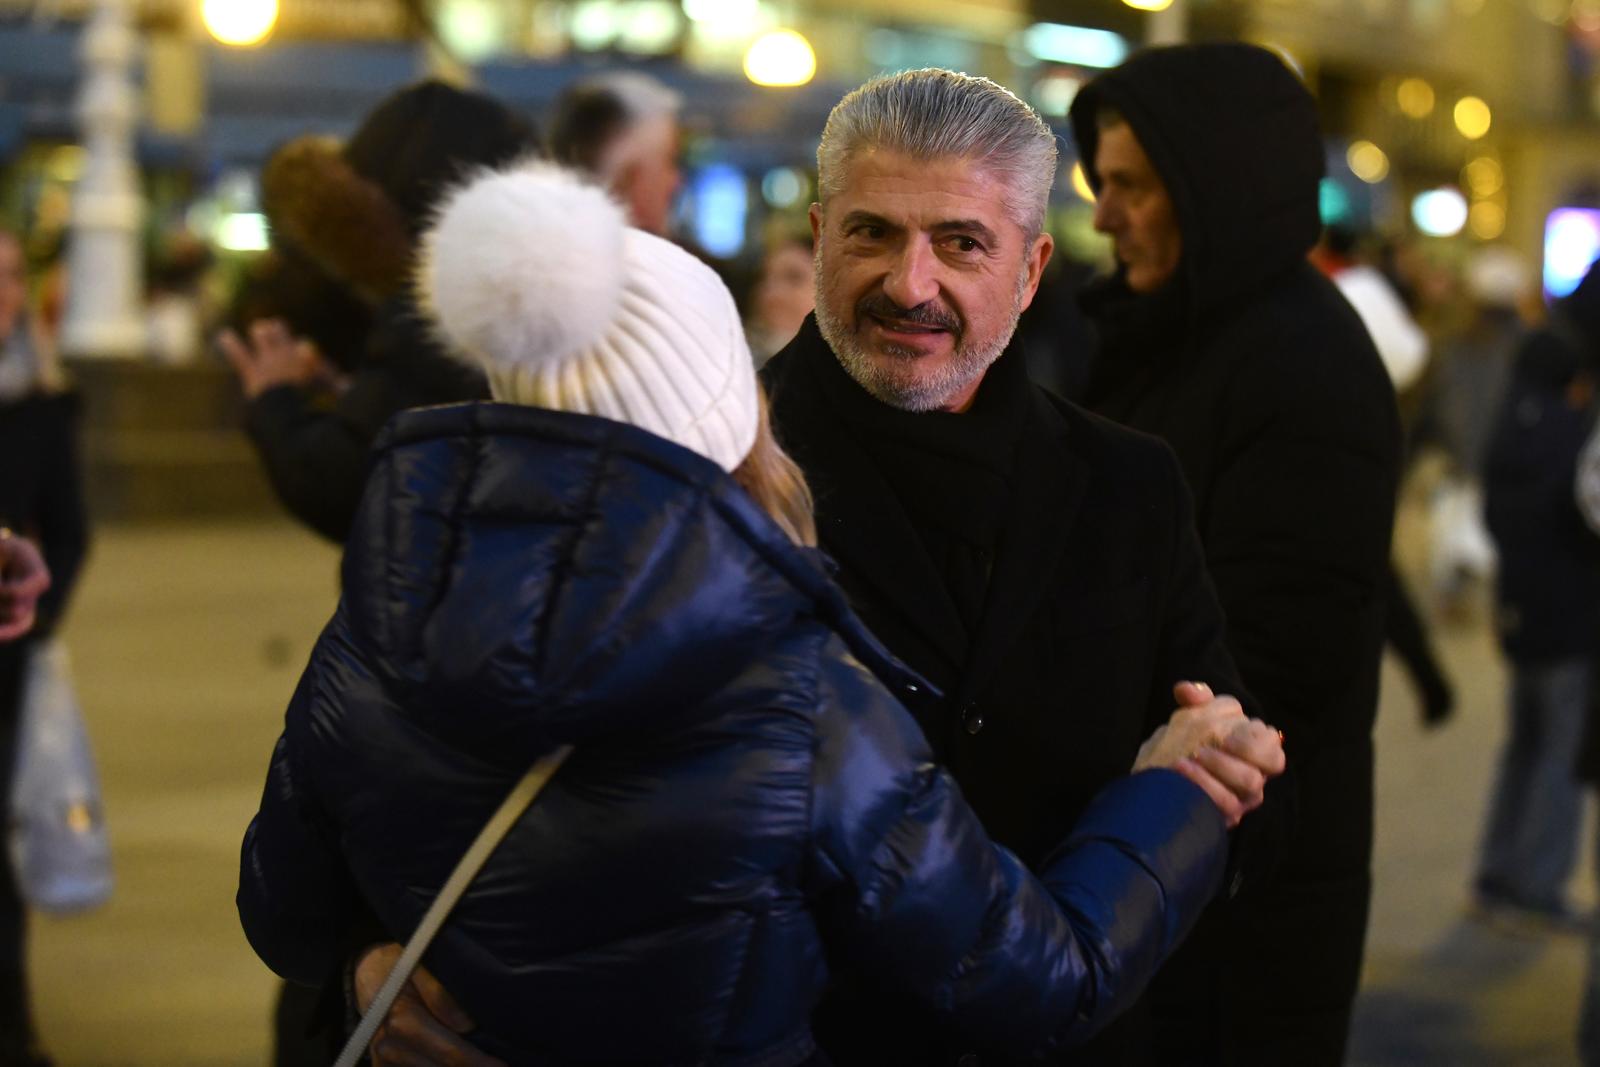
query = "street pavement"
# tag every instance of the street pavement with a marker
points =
(187, 642)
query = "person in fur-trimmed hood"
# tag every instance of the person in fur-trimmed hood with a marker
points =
(1218, 336)
(355, 210)
(619, 556)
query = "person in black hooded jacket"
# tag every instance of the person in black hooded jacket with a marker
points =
(354, 211)
(1218, 336)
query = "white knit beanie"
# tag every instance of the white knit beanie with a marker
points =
(533, 273)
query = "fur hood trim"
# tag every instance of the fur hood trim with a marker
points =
(316, 200)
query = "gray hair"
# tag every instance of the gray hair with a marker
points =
(939, 114)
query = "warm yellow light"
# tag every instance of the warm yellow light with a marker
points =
(781, 57)
(1483, 176)
(240, 22)
(1367, 162)
(1472, 117)
(1487, 220)
(1080, 183)
(1415, 98)
(1148, 5)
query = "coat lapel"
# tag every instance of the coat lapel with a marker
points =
(1051, 480)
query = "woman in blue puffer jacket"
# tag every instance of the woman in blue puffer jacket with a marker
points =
(750, 805)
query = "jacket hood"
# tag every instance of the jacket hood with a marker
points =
(518, 577)
(1234, 135)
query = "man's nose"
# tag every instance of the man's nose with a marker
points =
(1106, 216)
(913, 277)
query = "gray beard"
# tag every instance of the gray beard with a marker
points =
(894, 383)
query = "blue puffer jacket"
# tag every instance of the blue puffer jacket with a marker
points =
(749, 806)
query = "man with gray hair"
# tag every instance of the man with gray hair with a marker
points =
(1040, 565)
(622, 129)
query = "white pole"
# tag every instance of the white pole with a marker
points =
(103, 258)
(1170, 25)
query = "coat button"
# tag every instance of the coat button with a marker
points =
(972, 718)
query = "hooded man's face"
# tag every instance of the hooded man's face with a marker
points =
(1134, 209)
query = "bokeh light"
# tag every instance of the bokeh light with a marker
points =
(781, 58)
(1473, 117)
(1415, 98)
(1367, 161)
(239, 22)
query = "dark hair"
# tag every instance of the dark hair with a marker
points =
(422, 139)
(584, 120)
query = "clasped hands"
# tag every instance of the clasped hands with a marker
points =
(1209, 741)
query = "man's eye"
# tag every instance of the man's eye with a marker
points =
(961, 243)
(870, 232)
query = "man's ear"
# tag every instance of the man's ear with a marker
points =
(815, 214)
(1038, 256)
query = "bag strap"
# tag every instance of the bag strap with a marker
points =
(511, 809)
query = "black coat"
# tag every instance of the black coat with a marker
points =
(315, 456)
(749, 803)
(41, 490)
(1098, 604)
(1547, 583)
(1266, 384)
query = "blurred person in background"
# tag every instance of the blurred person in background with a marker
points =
(1401, 343)
(750, 806)
(355, 211)
(174, 309)
(1220, 337)
(1465, 400)
(784, 294)
(621, 128)
(1586, 492)
(41, 498)
(1547, 615)
(1403, 347)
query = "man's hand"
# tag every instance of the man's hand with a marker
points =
(273, 356)
(23, 580)
(1209, 741)
(423, 1028)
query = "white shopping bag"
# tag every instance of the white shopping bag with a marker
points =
(58, 836)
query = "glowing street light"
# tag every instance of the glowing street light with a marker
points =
(1367, 161)
(1484, 176)
(1440, 212)
(1472, 117)
(240, 22)
(780, 58)
(1487, 220)
(1415, 98)
(1148, 5)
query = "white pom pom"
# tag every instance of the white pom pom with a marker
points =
(523, 266)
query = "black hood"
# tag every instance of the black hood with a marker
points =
(1234, 135)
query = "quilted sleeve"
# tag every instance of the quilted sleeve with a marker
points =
(912, 892)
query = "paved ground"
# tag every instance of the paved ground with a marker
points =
(188, 640)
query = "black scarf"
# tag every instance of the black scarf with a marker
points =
(953, 474)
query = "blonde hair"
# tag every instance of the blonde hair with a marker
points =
(775, 481)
